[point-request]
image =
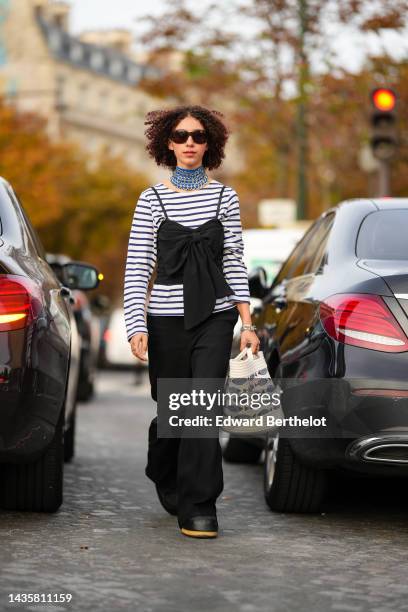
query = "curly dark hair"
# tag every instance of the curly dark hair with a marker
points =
(162, 122)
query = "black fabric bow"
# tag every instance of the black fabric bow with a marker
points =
(194, 252)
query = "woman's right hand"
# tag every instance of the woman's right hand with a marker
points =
(138, 345)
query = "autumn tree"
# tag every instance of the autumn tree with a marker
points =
(281, 81)
(80, 210)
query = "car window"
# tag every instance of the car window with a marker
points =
(383, 235)
(308, 260)
(290, 263)
(8, 218)
(284, 271)
(316, 247)
(27, 224)
(304, 258)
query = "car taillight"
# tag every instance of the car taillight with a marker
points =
(362, 320)
(20, 301)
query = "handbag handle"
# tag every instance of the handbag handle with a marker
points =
(248, 351)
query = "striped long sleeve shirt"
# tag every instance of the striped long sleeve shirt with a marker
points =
(191, 210)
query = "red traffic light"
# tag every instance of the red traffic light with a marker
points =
(383, 99)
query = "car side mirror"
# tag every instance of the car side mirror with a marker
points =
(257, 282)
(79, 275)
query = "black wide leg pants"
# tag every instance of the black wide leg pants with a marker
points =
(193, 466)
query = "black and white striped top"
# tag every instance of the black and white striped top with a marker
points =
(191, 210)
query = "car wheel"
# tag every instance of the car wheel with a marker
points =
(37, 486)
(69, 439)
(289, 485)
(238, 450)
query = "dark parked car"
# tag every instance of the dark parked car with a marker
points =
(39, 363)
(89, 331)
(334, 331)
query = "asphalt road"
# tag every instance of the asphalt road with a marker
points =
(113, 547)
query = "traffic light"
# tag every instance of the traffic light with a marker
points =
(383, 123)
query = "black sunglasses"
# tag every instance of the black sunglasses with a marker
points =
(180, 136)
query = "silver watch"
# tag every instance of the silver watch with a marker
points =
(247, 327)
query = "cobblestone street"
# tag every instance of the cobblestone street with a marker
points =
(114, 548)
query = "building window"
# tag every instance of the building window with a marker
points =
(116, 67)
(97, 60)
(134, 73)
(76, 53)
(55, 40)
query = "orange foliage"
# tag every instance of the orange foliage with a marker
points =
(83, 213)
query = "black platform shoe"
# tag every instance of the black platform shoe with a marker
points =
(200, 527)
(168, 500)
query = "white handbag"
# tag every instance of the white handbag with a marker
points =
(249, 376)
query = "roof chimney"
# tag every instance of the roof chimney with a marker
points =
(55, 12)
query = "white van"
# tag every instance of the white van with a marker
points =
(117, 348)
(267, 248)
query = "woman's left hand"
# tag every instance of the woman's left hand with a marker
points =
(249, 337)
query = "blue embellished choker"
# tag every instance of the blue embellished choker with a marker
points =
(186, 178)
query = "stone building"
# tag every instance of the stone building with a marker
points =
(86, 86)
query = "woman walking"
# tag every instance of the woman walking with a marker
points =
(190, 226)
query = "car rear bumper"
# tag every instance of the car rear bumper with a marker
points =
(348, 454)
(33, 377)
(364, 433)
(27, 424)
(30, 404)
